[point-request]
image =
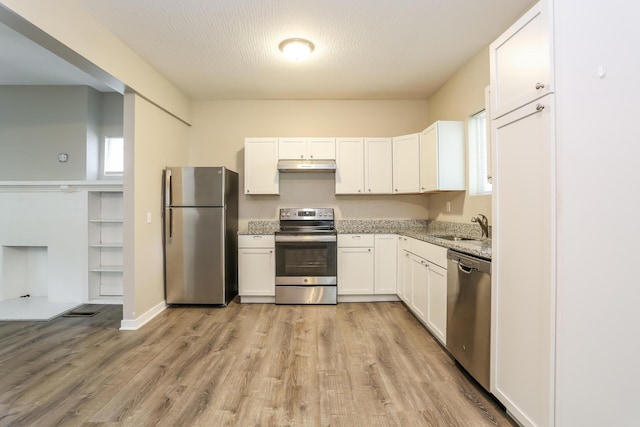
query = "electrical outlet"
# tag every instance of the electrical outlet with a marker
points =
(148, 217)
(448, 206)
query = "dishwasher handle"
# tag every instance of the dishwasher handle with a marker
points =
(466, 269)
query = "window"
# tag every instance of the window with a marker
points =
(479, 183)
(113, 156)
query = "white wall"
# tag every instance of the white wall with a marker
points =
(458, 99)
(598, 152)
(53, 220)
(154, 139)
(219, 129)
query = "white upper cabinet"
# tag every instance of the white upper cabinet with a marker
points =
(261, 166)
(406, 164)
(306, 148)
(378, 166)
(521, 62)
(442, 157)
(349, 165)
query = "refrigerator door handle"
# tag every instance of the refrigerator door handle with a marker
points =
(167, 188)
(170, 225)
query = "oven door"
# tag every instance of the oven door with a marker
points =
(306, 259)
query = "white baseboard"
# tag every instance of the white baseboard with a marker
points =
(368, 298)
(257, 299)
(132, 325)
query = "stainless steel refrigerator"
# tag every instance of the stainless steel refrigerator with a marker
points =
(200, 235)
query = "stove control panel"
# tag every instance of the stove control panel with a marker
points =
(306, 214)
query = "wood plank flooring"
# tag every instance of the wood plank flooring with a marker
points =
(354, 364)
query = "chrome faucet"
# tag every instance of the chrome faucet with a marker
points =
(483, 222)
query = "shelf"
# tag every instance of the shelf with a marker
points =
(105, 227)
(105, 245)
(107, 269)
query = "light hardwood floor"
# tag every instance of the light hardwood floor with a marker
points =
(354, 364)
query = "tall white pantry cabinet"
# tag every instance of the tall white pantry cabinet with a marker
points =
(566, 296)
(523, 270)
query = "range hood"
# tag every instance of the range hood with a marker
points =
(307, 165)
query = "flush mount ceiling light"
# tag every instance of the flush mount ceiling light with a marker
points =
(296, 49)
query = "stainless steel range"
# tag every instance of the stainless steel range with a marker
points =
(306, 257)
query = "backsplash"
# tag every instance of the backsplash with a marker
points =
(457, 228)
(382, 226)
(379, 225)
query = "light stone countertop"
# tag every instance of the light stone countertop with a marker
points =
(423, 230)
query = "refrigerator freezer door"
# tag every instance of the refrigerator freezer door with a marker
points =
(194, 256)
(194, 186)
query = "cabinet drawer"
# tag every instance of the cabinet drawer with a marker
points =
(356, 240)
(256, 241)
(432, 253)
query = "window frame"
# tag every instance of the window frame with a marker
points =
(106, 167)
(479, 151)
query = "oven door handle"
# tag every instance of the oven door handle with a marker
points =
(305, 238)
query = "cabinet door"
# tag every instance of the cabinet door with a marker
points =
(378, 166)
(321, 148)
(437, 302)
(407, 278)
(520, 62)
(261, 166)
(429, 159)
(292, 148)
(442, 157)
(406, 164)
(402, 262)
(350, 166)
(419, 287)
(385, 277)
(355, 271)
(256, 272)
(523, 280)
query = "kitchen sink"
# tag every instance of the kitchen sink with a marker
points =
(453, 238)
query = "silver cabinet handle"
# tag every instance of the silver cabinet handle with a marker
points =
(539, 86)
(301, 156)
(539, 107)
(359, 191)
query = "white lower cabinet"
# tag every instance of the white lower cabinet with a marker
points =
(403, 247)
(437, 301)
(385, 277)
(355, 264)
(256, 268)
(422, 283)
(419, 282)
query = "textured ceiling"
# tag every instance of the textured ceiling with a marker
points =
(365, 49)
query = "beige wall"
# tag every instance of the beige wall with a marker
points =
(154, 139)
(459, 98)
(219, 129)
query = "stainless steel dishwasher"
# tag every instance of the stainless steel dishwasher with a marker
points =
(469, 313)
